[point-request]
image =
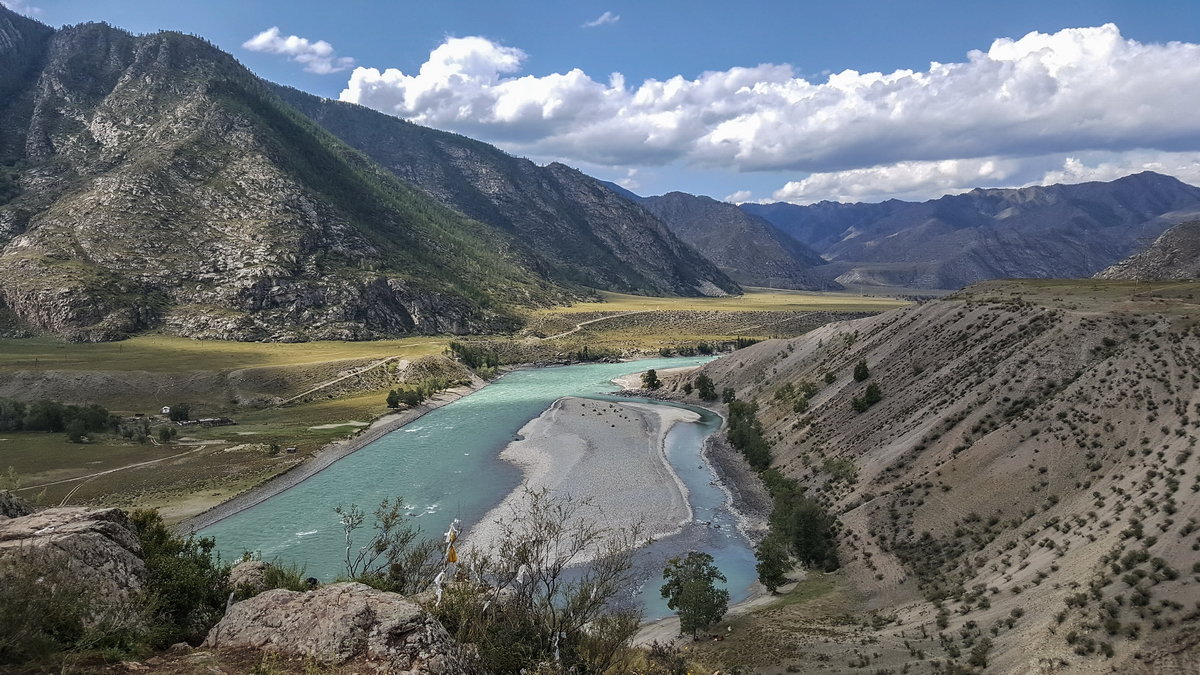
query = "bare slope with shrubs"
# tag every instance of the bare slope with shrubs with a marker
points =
(1019, 496)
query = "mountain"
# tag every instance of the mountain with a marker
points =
(153, 182)
(1062, 231)
(1020, 493)
(571, 227)
(749, 249)
(1174, 255)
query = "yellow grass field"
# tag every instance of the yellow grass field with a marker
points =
(755, 299)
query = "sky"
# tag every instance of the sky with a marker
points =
(787, 100)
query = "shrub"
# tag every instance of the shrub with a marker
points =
(187, 585)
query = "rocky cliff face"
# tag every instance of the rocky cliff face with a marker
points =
(1174, 255)
(1057, 231)
(567, 225)
(747, 248)
(153, 182)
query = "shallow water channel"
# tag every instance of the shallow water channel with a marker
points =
(445, 465)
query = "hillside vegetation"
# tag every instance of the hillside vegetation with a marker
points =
(1021, 495)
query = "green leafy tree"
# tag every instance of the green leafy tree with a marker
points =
(691, 591)
(829, 378)
(728, 395)
(861, 372)
(393, 399)
(705, 389)
(650, 380)
(186, 583)
(181, 412)
(75, 429)
(773, 563)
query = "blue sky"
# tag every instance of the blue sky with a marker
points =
(536, 80)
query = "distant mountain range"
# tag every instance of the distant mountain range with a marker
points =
(749, 249)
(1174, 255)
(153, 182)
(954, 241)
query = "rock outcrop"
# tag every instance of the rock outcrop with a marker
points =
(249, 577)
(341, 623)
(1174, 255)
(94, 544)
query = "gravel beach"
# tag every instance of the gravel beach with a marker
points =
(611, 453)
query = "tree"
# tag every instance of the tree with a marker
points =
(690, 589)
(650, 380)
(861, 372)
(705, 388)
(393, 399)
(728, 395)
(869, 398)
(76, 430)
(773, 563)
(532, 599)
(181, 412)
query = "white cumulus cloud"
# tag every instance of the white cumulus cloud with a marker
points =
(603, 20)
(317, 57)
(21, 7)
(1079, 89)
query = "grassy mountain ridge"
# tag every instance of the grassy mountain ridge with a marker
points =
(569, 226)
(160, 184)
(1021, 496)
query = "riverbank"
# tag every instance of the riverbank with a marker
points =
(612, 455)
(323, 459)
(747, 497)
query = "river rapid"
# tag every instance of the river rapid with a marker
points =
(445, 465)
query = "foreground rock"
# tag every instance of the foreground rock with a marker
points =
(98, 545)
(344, 622)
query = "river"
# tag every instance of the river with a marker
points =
(445, 465)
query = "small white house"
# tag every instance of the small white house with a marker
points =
(166, 410)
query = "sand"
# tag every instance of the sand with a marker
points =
(611, 453)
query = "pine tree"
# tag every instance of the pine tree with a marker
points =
(861, 372)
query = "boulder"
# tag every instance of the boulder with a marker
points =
(12, 506)
(344, 622)
(249, 577)
(95, 544)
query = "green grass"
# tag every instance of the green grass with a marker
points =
(755, 299)
(158, 353)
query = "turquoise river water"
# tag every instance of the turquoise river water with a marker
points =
(445, 465)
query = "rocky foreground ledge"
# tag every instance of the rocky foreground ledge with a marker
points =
(344, 625)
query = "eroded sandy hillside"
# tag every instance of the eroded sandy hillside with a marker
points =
(1023, 495)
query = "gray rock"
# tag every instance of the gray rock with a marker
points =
(344, 622)
(96, 544)
(249, 576)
